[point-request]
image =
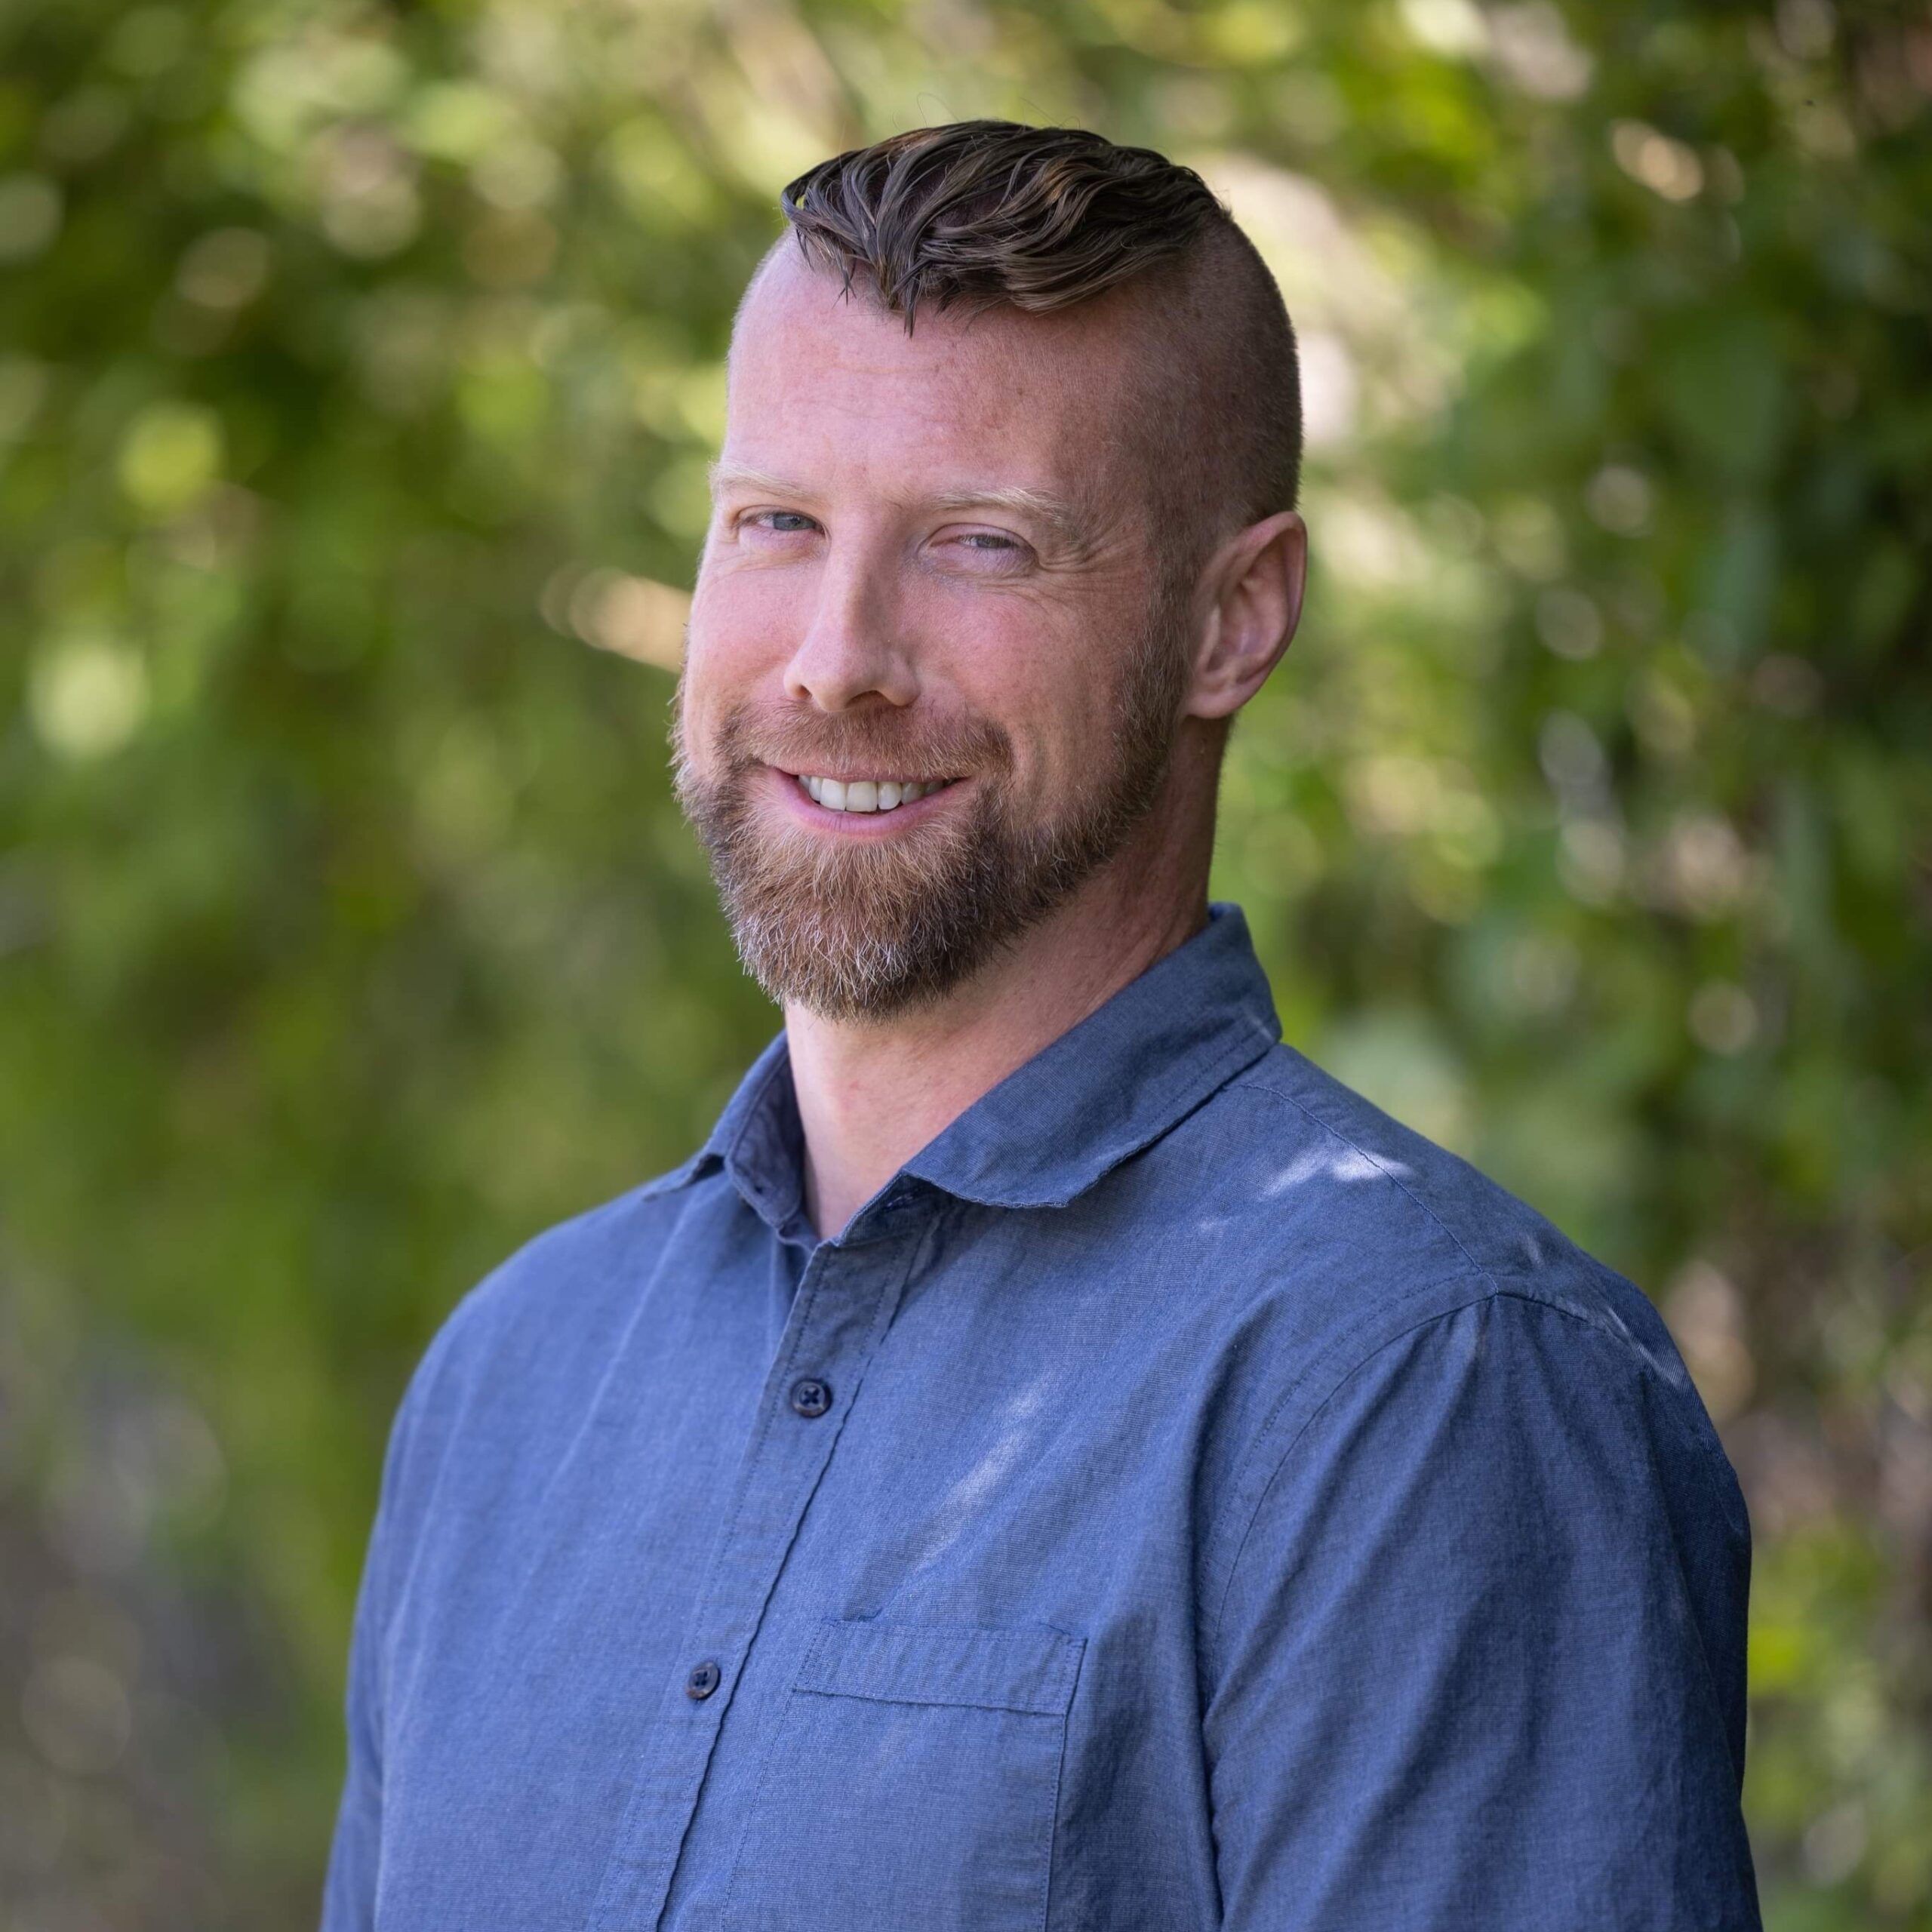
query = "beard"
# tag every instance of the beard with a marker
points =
(853, 931)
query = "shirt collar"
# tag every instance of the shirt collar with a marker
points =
(1103, 1090)
(1115, 1082)
(758, 1142)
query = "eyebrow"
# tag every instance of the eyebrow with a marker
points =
(1055, 513)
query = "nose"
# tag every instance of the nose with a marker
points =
(852, 649)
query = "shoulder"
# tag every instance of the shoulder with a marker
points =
(541, 1319)
(1332, 1149)
(1372, 1228)
(1377, 1275)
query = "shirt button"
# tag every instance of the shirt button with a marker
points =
(811, 1397)
(704, 1679)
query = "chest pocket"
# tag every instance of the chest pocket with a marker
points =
(912, 1782)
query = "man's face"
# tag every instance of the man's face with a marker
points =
(930, 577)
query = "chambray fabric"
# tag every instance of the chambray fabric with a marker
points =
(1231, 1509)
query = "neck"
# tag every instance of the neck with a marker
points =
(871, 1093)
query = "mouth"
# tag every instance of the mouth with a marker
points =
(864, 795)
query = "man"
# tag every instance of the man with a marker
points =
(1053, 1458)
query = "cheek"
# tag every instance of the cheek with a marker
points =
(734, 643)
(1049, 686)
(742, 623)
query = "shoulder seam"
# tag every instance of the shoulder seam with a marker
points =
(1483, 1289)
(1489, 1290)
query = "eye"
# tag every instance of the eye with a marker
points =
(778, 523)
(988, 552)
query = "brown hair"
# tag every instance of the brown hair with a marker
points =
(984, 213)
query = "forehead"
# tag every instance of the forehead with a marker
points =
(817, 374)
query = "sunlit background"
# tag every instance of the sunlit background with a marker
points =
(359, 364)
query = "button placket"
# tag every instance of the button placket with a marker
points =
(845, 1301)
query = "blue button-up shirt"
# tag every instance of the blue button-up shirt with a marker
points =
(1183, 1497)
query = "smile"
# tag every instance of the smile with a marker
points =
(867, 795)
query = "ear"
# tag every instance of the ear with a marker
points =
(1253, 584)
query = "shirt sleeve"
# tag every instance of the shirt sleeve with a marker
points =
(1479, 1662)
(348, 1891)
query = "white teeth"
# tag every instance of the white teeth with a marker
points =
(867, 795)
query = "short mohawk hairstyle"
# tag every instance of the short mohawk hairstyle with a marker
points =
(983, 214)
(991, 211)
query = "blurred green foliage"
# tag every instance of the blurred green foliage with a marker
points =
(358, 365)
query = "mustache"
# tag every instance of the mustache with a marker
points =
(795, 739)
